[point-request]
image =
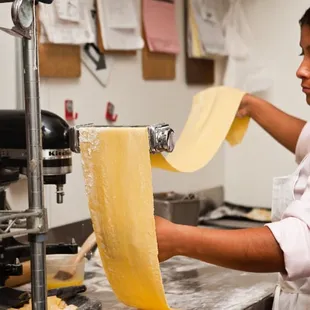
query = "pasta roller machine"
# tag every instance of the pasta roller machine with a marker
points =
(160, 137)
(58, 142)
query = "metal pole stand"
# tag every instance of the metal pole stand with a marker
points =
(34, 167)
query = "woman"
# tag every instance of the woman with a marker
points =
(282, 246)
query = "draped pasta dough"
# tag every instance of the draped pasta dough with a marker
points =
(237, 130)
(211, 121)
(118, 180)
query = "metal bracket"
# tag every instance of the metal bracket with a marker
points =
(22, 16)
(16, 32)
(38, 222)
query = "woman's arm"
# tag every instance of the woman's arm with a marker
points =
(251, 250)
(281, 126)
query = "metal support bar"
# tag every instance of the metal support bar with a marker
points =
(43, 1)
(6, 212)
(20, 233)
(20, 101)
(34, 166)
(15, 226)
(18, 216)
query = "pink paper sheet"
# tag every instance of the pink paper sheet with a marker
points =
(160, 26)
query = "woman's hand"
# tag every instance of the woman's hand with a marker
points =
(167, 238)
(245, 106)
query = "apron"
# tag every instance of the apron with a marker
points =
(289, 295)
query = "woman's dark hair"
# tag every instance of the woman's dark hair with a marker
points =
(305, 20)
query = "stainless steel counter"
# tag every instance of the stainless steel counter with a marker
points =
(190, 284)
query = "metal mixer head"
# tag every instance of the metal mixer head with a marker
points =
(160, 137)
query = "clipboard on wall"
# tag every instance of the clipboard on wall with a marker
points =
(197, 71)
(156, 66)
(100, 43)
(58, 61)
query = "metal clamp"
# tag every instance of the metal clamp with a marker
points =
(38, 222)
(160, 137)
(74, 137)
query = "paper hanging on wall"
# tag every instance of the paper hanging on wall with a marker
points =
(208, 17)
(123, 32)
(195, 49)
(245, 68)
(160, 27)
(209, 124)
(68, 10)
(59, 31)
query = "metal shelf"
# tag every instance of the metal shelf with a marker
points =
(14, 223)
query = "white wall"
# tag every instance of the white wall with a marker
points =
(250, 167)
(137, 102)
(8, 90)
(7, 61)
(248, 174)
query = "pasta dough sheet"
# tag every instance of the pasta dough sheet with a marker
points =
(212, 120)
(237, 130)
(118, 177)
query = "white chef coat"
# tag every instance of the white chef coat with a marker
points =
(292, 232)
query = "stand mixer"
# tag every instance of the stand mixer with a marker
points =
(39, 145)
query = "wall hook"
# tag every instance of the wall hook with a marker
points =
(110, 116)
(70, 115)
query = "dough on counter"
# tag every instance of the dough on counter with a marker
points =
(53, 303)
(212, 120)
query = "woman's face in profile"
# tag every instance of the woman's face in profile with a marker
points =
(303, 71)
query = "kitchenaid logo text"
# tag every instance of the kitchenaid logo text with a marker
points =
(59, 153)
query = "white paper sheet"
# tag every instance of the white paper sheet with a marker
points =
(121, 14)
(209, 16)
(59, 31)
(114, 38)
(68, 10)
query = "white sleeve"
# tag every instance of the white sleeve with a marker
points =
(303, 144)
(293, 235)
